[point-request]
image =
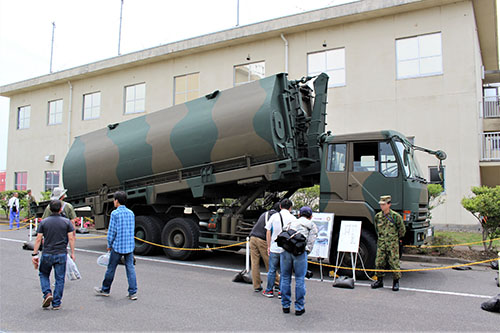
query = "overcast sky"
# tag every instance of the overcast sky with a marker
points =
(87, 31)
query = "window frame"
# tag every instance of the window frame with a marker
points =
(325, 70)
(329, 157)
(55, 115)
(52, 184)
(135, 99)
(19, 110)
(249, 73)
(418, 58)
(396, 160)
(186, 91)
(24, 187)
(92, 107)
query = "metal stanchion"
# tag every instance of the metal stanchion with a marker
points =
(247, 259)
(31, 231)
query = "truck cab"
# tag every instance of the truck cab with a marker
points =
(358, 168)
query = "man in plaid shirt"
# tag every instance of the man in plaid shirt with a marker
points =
(120, 243)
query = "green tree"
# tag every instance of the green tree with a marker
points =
(6, 195)
(306, 197)
(436, 197)
(45, 195)
(485, 206)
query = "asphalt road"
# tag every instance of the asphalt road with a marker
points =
(200, 296)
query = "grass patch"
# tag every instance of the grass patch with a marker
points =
(464, 237)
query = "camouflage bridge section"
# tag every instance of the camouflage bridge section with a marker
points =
(247, 121)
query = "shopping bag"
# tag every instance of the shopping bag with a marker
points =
(103, 260)
(72, 272)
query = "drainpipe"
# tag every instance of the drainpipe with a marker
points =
(286, 53)
(69, 112)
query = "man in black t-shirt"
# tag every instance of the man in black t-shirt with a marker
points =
(56, 232)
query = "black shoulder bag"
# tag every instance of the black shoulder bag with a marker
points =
(291, 240)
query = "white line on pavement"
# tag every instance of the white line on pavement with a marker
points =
(179, 263)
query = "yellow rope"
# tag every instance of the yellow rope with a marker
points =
(406, 270)
(188, 249)
(450, 245)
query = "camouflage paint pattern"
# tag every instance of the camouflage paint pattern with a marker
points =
(246, 121)
(364, 188)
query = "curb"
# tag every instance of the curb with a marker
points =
(437, 260)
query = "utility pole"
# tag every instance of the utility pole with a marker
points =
(237, 13)
(120, 30)
(52, 45)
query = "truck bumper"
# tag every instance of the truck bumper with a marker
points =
(421, 236)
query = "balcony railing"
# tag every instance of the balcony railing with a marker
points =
(491, 107)
(490, 146)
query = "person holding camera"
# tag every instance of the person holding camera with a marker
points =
(298, 263)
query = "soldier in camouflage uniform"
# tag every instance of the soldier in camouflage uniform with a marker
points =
(390, 228)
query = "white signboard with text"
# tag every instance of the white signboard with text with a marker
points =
(350, 232)
(324, 222)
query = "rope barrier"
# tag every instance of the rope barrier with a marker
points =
(451, 245)
(190, 249)
(407, 270)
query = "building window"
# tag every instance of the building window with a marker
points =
(419, 56)
(55, 112)
(249, 72)
(331, 62)
(435, 177)
(20, 181)
(91, 106)
(186, 88)
(135, 98)
(23, 117)
(51, 180)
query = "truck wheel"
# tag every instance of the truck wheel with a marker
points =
(180, 232)
(147, 228)
(367, 251)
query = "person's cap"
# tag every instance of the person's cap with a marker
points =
(57, 193)
(385, 199)
(306, 211)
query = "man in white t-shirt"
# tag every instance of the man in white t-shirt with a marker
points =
(274, 226)
(14, 210)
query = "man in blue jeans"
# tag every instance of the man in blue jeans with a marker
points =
(120, 243)
(57, 232)
(274, 226)
(297, 263)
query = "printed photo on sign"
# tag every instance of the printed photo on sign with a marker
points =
(324, 222)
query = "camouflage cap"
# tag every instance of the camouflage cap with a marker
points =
(385, 199)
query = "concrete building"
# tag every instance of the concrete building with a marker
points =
(417, 66)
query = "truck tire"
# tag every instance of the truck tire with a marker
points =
(147, 228)
(180, 232)
(367, 251)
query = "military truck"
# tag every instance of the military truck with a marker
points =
(199, 174)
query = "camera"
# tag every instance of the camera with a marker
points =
(309, 274)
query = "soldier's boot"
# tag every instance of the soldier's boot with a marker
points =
(378, 284)
(395, 285)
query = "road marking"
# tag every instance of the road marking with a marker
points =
(227, 269)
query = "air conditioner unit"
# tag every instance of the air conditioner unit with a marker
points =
(50, 158)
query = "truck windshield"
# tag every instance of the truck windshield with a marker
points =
(410, 164)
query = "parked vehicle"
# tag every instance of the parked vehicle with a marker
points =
(200, 173)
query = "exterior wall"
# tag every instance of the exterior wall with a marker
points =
(441, 111)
